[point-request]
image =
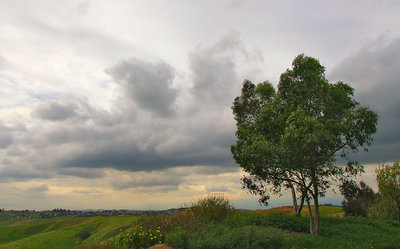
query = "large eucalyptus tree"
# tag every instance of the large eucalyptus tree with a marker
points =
(291, 137)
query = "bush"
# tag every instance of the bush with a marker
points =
(213, 207)
(185, 220)
(178, 238)
(382, 208)
(282, 221)
(221, 236)
(357, 198)
(139, 237)
(356, 207)
(149, 222)
(84, 234)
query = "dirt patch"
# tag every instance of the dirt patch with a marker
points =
(284, 210)
(162, 246)
(341, 214)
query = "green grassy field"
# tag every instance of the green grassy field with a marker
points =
(60, 232)
(276, 225)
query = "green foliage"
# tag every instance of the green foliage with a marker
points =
(149, 222)
(218, 236)
(213, 207)
(388, 178)
(257, 229)
(335, 232)
(186, 220)
(282, 221)
(178, 238)
(139, 237)
(382, 208)
(358, 199)
(210, 208)
(291, 137)
(356, 207)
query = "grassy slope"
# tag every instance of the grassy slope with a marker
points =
(59, 232)
(335, 231)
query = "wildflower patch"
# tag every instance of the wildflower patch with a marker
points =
(139, 237)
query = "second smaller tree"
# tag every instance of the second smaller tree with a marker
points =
(388, 178)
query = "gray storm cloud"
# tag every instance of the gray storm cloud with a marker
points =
(214, 70)
(101, 96)
(5, 139)
(8, 133)
(375, 75)
(144, 131)
(147, 84)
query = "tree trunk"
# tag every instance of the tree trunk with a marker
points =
(316, 215)
(398, 211)
(310, 214)
(300, 206)
(294, 199)
(316, 204)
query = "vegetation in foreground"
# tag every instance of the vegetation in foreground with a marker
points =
(210, 222)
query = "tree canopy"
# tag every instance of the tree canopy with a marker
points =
(290, 137)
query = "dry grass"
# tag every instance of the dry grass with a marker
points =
(283, 210)
(327, 211)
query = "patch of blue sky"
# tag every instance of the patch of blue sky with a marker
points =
(106, 84)
(17, 134)
(38, 96)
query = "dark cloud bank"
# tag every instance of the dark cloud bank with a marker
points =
(148, 131)
(375, 75)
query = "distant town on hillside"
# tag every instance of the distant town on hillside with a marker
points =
(59, 212)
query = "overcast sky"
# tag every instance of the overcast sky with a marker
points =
(127, 104)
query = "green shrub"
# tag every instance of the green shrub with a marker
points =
(238, 218)
(139, 237)
(358, 198)
(282, 221)
(84, 234)
(220, 236)
(185, 220)
(213, 207)
(382, 208)
(356, 207)
(178, 238)
(149, 222)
